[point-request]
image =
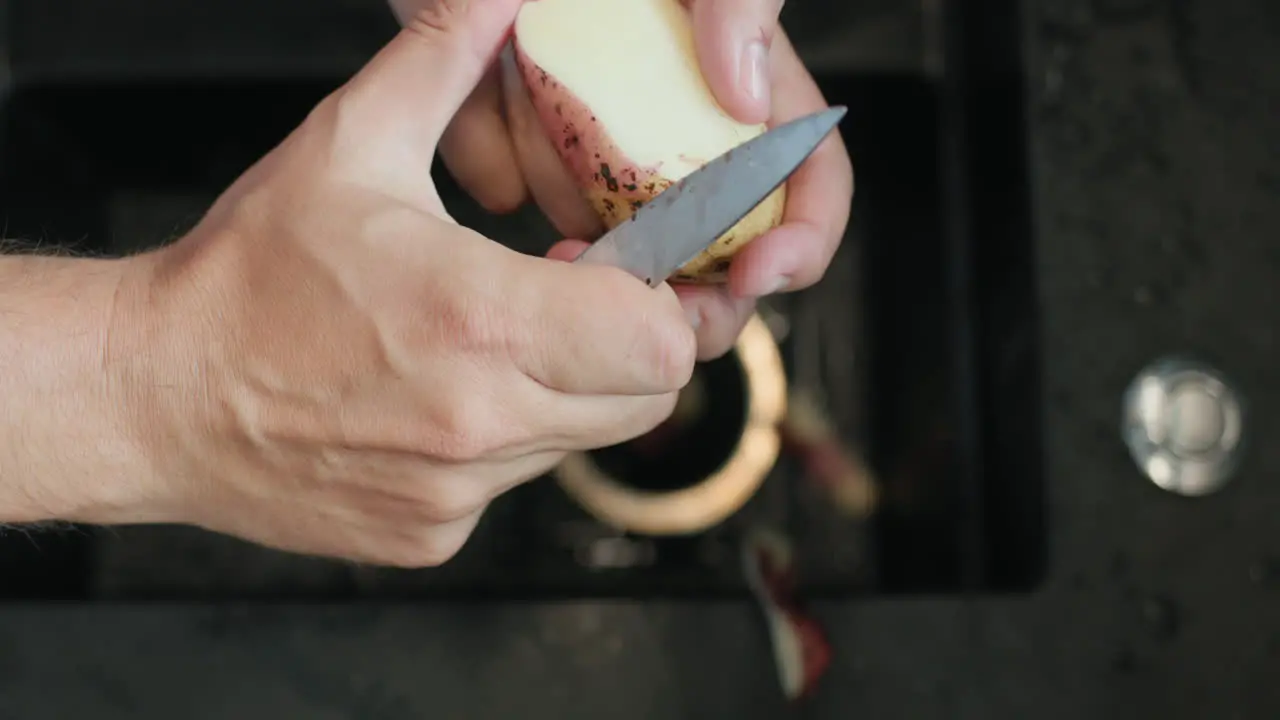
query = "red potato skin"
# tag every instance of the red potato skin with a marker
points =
(616, 188)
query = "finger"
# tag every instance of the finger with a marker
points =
(796, 254)
(733, 39)
(716, 316)
(508, 476)
(461, 489)
(722, 317)
(593, 330)
(546, 176)
(477, 149)
(408, 94)
(574, 423)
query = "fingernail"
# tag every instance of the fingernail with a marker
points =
(694, 316)
(754, 71)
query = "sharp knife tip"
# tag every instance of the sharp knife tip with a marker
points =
(828, 119)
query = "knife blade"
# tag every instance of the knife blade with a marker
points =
(685, 219)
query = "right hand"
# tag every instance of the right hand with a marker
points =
(328, 364)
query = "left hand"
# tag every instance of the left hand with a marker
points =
(497, 151)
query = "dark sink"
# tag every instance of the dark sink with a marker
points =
(925, 334)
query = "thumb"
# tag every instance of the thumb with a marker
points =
(414, 86)
(733, 38)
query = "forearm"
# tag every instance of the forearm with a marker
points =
(64, 451)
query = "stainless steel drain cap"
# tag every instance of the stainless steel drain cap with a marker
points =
(1183, 423)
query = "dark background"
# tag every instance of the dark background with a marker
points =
(1153, 129)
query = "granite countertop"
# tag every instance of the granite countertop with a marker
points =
(1156, 145)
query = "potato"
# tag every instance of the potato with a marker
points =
(617, 87)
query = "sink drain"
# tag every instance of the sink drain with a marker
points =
(1183, 424)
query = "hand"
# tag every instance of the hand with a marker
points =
(496, 150)
(328, 364)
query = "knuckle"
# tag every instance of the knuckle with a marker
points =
(826, 246)
(460, 432)
(443, 23)
(470, 321)
(463, 421)
(438, 17)
(808, 277)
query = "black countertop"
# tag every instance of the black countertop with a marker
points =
(1156, 133)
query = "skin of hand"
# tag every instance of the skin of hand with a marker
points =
(327, 363)
(497, 151)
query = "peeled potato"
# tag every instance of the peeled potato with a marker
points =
(617, 87)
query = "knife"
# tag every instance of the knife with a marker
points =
(687, 218)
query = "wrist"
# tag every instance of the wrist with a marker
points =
(68, 450)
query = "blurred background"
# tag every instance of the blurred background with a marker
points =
(968, 516)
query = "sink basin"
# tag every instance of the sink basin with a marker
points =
(921, 343)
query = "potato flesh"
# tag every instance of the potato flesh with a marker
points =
(617, 86)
